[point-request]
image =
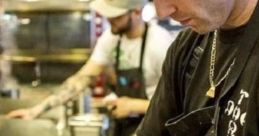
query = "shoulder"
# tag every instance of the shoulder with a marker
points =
(184, 44)
(107, 39)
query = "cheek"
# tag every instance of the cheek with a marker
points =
(122, 23)
(116, 24)
(210, 17)
(217, 12)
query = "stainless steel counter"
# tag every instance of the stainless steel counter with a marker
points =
(51, 123)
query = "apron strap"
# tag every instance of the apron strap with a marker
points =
(118, 53)
(143, 44)
(144, 37)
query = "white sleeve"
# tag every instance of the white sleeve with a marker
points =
(161, 50)
(150, 90)
(161, 40)
(103, 51)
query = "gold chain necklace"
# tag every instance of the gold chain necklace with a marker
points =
(213, 85)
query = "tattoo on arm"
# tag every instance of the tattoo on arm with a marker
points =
(65, 95)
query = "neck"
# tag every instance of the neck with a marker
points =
(136, 31)
(242, 12)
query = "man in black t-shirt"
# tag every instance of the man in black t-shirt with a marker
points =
(210, 80)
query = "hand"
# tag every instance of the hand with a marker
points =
(121, 107)
(21, 113)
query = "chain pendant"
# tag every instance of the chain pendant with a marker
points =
(211, 92)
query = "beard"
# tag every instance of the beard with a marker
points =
(124, 29)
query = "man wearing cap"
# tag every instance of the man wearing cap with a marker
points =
(136, 50)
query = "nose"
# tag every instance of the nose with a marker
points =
(164, 8)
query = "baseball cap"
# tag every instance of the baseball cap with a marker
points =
(115, 8)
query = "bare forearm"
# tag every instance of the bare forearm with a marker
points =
(139, 106)
(73, 86)
(91, 68)
(66, 93)
(68, 90)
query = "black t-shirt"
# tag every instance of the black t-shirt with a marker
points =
(185, 81)
(233, 108)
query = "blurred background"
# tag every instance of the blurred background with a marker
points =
(42, 42)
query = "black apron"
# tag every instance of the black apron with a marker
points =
(130, 83)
